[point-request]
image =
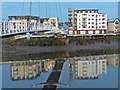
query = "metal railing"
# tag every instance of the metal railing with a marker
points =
(7, 27)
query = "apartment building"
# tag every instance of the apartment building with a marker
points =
(86, 22)
(88, 67)
(113, 60)
(53, 21)
(113, 26)
(22, 23)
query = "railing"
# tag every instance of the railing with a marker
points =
(7, 27)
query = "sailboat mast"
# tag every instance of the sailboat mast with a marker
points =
(30, 15)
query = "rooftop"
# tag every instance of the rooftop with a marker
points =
(86, 10)
(23, 17)
(113, 20)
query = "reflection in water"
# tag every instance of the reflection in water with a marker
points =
(30, 69)
(113, 60)
(89, 67)
(80, 68)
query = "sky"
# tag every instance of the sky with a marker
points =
(56, 9)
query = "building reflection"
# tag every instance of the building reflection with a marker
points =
(84, 67)
(113, 60)
(30, 69)
(89, 67)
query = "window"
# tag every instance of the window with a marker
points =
(116, 22)
(103, 15)
(75, 15)
(10, 31)
(103, 22)
(92, 15)
(14, 25)
(103, 61)
(103, 19)
(13, 18)
(92, 22)
(84, 26)
(20, 27)
(92, 26)
(103, 26)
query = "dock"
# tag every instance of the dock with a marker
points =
(53, 79)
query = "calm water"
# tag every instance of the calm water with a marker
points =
(100, 71)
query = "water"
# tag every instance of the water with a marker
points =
(100, 71)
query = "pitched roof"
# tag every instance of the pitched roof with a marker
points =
(111, 21)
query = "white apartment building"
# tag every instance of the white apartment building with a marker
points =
(86, 22)
(17, 24)
(88, 67)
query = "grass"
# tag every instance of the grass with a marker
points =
(12, 41)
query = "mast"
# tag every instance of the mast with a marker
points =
(30, 16)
